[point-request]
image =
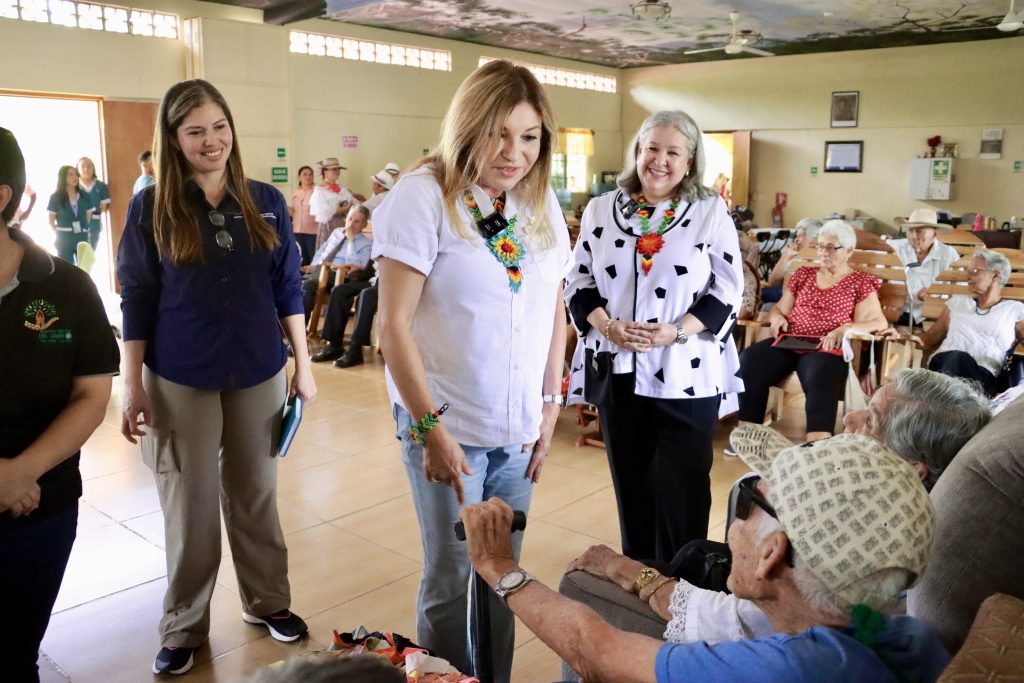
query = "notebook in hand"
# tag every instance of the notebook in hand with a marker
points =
(797, 342)
(289, 425)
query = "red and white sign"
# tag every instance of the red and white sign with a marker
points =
(780, 199)
(349, 141)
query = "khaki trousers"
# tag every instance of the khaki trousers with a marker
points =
(209, 447)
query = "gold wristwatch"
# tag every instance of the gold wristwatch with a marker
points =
(645, 576)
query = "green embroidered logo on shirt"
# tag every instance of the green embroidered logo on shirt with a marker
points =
(40, 316)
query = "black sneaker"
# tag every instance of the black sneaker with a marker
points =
(329, 352)
(352, 357)
(730, 452)
(283, 625)
(173, 660)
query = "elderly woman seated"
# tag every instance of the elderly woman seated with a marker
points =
(805, 235)
(818, 306)
(974, 332)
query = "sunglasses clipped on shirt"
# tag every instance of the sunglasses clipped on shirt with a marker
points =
(747, 498)
(223, 237)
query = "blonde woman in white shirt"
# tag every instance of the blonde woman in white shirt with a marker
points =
(472, 248)
(654, 294)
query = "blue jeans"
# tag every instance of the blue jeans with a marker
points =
(442, 604)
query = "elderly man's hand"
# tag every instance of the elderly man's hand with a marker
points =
(489, 538)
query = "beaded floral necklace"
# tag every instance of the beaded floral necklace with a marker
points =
(650, 243)
(505, 246)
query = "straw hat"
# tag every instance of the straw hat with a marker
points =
(331, 162)
(384, 179)
(921, 218)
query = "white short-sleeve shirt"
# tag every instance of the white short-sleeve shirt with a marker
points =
(986, 336)
(940, 257)
(483, 347)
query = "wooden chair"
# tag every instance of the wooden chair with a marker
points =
(964, 241)
(326, 273)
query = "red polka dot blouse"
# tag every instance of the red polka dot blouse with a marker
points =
(817, 311)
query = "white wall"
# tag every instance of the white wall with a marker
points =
(906, 96)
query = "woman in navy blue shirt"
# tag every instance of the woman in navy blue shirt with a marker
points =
(209, 275)
(70, 212)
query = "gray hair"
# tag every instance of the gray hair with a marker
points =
(930, 416)
(810, 227)
(882, 589)
(996, 262)
(841, 230)
(361, 208)
(692, 186)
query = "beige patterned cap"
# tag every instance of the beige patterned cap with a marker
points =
(850, 507)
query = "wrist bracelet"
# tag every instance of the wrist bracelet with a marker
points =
(652, 588)
(418, 430)
(608, 329)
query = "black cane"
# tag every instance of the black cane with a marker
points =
(483, 663)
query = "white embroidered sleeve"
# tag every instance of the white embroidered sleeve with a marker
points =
(675, 631)
(713, 617)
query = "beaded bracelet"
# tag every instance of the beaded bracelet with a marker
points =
(608, 329)
(418, 431)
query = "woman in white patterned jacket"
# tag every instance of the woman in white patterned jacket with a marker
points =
(654, 294)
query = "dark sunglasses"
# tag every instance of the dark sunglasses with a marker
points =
(748, 497)
(223, 237)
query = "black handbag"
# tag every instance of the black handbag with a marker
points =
(597, 377)
(1012, 372)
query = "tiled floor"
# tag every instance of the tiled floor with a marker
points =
(354, 550)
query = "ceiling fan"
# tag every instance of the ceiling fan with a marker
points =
(739, 41)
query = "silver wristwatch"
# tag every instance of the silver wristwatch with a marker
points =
(554, 398)
(510, 583)
(681, 336)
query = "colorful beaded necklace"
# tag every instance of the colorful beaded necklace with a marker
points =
(650, 243)
(507, 249)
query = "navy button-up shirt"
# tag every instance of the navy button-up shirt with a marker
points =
(213, 324)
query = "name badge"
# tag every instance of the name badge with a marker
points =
(76, 226)
(492, 225)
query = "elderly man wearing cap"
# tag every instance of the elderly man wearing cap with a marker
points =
(330, 200)
(923, 256)
(826, 537)
(382, 182)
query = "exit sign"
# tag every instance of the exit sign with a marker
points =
(279, 174)
(280, 153)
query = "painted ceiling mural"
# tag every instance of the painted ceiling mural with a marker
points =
(606, 32)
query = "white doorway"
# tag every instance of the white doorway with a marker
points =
(53, 132)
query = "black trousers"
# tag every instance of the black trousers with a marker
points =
(338, 309)
(34, 559)
(659, 452)
(307, 245)
(960, 364)
(822, 376)
(366, 308)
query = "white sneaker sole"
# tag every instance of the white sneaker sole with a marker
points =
(177, 672)
(274, 633)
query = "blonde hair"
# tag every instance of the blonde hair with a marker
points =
(175, 226)
(471, 135)
(91, 165)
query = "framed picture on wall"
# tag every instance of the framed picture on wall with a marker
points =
(845, 107)
(844, 156)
